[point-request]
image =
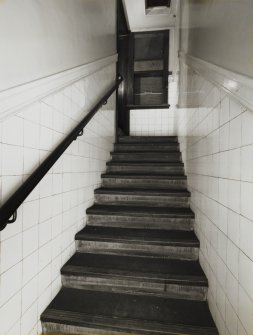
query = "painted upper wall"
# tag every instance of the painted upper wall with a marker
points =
(220, 32)
(139, 21)
(42, 37)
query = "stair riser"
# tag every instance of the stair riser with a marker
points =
(139, 200)
(146, 147)
(60, 328)
(112, 248)
(147, 139)
(141, 222)
(144, 183)
(131, 286)
(173, 170)
(148, 157)
(100, 329)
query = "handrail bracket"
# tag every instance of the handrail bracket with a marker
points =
(79, 134)
(13, 218)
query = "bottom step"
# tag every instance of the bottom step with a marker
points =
(88, 312)
(136, 275)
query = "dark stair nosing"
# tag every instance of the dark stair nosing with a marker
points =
(125, 312)
(149, 144)
(140, 236)
(139, 147)
(144, 269)
(146, 191)
(140, 106)
(132, 175)
(53, 319)
(144, 153)
(124, 275)
(176, 212)
(146, 163)
(147, 139)
(148, 156)
(136, 151)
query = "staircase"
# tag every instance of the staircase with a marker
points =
(136, 268)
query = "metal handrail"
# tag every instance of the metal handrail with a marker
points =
(8, 212)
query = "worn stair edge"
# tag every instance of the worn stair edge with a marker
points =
(137, 200)
(162, 147)
(147, 153)
(155, 192)
(143, 183)
(145, 167)
(137, 275)
(94, 272)
(148, 157)
(140, 222)
(118, 241)
(183, 250)
(112, 283)
(121, 248)
(138, 197)
(149, 164)
(144, 176)
(126, 312)
(125, 216)
(64, 322)
(157, 268)
(168, 212)
(147, 139)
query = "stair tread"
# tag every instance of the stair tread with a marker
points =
(156, 153)
(147, 139)
(146, 163)
(141, 175)
(146, 191)
(180, 212)
(136, 268)
(131, 146)
(149, 144)
(148, 269)
(141, 236)
(120, 311)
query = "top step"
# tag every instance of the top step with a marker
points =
(148, 139)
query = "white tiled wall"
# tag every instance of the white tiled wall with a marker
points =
(152, 122)
(216, 140)
(156, 122)
(33, 249)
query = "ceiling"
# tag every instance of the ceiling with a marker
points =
(141, 19)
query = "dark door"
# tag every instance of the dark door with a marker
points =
(124, 64)
(143, 60)
(150, 69)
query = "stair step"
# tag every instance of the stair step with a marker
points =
(148, 139)
(76, 311)
(136, 268)
(138, 275)
(172, 168)
(137, 197)
(148, 157)
(114, 180)
(146, 147)
(141, 217)
(139, 242)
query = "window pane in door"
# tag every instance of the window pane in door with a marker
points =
(148, 47)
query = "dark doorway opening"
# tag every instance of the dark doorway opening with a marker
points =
(144, 64)
(157, 3)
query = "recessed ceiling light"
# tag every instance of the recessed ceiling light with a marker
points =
(157, 3)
